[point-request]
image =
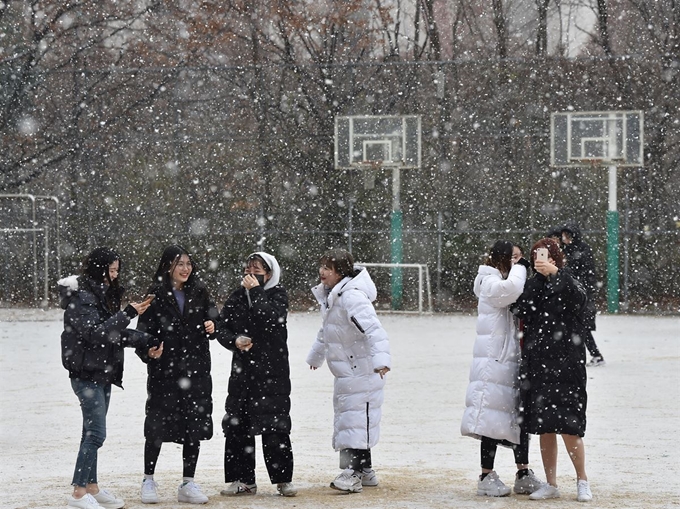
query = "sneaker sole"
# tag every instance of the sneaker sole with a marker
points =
(191, 501)
(150, 501)
(483, 493)
(349, 490)
(545, 498)
(238, 494)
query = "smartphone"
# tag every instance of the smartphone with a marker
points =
(542, 254)
(149, 297)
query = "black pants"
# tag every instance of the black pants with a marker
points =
(489, 445)
(355, 459)
(239, 455)
(190, 451)
(591, 346)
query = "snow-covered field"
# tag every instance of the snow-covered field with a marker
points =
(633, 457)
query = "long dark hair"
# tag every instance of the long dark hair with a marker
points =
(500, 256)
(96, 269)
(169, 259)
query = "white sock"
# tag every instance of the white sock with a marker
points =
(148, 477)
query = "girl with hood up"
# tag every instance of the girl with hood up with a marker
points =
(95, 333)
(258, 401)
(355, 345)
(179, 385)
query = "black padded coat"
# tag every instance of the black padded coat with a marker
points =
(179, 385)
(259, 383)
(553, 371)
(94, 334)
(581, 263)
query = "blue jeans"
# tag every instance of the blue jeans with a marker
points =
(94, 403)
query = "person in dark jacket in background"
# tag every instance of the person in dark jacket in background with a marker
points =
(95, 333)
(258, 401)
(555, 233)
(582, 265)
(552, 371)
(179, 385)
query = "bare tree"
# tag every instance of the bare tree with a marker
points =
(59, 64)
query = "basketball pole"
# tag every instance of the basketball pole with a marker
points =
(612, 246)
(396, 239)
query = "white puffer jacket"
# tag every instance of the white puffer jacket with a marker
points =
(492, 396)
(355, 344)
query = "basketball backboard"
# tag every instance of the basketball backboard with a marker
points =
(390, 141)
(597, 138)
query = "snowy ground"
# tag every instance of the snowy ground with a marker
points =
(422, 461)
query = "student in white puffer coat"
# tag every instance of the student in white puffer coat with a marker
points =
(356, 347)
(492, 398)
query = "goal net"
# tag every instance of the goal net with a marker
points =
(402, 287)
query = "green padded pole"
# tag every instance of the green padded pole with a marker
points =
(613, 261)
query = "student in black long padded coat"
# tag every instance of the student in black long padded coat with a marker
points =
(179, 385)
(95, 333)
(553, 373)
(258, 401)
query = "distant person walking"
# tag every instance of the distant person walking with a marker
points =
(492, 399)
(553, 391)
(95, 333)
(179, 386)
(355, 345)
(582, 265)
(253, 327)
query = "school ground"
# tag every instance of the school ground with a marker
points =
(633, 456)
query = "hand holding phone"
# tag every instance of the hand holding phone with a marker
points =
(149, 297)
(542, 254)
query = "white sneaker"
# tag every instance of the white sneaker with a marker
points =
(108, 500)
(287, 489)
(86, 502)
(239, 488)
(348, 480)
(545, 492)
(492, 486)
(149, 491)
(368, 477)
(584, 493)
(527, 484)
(596, 361)
(191, 493)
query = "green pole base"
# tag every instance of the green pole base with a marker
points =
(397, 257)
(613, 261)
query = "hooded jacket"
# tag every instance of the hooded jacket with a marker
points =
(492, 398)
(354, 343)
(259, 383)
(94, 335)
(581, 264)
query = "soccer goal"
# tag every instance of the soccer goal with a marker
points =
(416, 285)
